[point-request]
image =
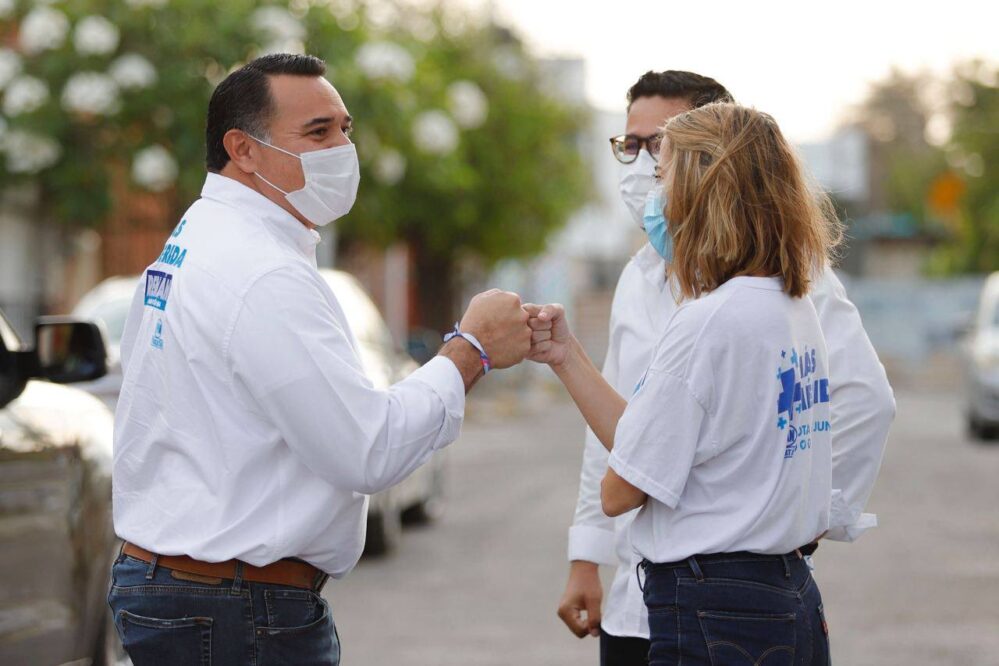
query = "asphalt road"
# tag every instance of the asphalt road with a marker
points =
(480, 586)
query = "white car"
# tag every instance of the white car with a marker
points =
(417, 499)
(982, 360)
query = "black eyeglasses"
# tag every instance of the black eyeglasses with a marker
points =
(626, 146)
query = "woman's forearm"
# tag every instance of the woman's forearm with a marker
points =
(597, 400)
(617, 496)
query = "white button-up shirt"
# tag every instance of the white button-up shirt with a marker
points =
(862, 409)
(246, 427)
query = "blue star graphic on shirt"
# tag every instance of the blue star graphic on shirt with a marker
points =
(794, 357)
(781, 422)
(783, 354)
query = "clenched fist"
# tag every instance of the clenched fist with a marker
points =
(498, 321)
(550, 335)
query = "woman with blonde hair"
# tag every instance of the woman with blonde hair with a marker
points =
(725, 443)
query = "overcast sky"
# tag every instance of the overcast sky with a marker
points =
(804, 62)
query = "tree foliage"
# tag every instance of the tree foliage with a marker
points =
(947, 179)
(462, 149)
(974, 151)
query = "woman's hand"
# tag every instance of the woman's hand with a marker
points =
(550, 337)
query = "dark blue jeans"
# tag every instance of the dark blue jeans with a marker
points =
(735, 609)
(168, 621)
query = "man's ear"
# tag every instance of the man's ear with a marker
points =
(241, 149)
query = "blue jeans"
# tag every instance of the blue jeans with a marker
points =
(734, 609)
(165, 620)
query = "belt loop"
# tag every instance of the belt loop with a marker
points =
(787, 565)
(237, 580)
(638, 576)
(696, 568)
(151, 569)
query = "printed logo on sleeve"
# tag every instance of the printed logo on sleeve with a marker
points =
(801, 390)
(158, 335)
(158, 289)
(172, 255)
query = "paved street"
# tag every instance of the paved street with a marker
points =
(480, 587)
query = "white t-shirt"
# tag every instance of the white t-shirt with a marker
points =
(728, 432)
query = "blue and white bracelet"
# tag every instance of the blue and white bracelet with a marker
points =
(471, 339)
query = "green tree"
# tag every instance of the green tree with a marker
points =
(463, 153)
(950, 189)
(510, 177)
(895, 116)
(974, 150)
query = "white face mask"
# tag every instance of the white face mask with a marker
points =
(331, 179)
(636, 180)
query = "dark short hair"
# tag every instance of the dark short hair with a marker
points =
(243, 100)
(675, 84)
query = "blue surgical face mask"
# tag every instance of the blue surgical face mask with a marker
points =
(655, 224)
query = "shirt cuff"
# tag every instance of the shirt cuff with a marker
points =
(443, 377)
(592, 544)
(852, 531)
(846, 523)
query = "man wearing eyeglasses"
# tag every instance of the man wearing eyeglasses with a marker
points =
(862, 409)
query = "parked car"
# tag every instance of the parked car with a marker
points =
(57, 541)
(982, 364)
(416, 499)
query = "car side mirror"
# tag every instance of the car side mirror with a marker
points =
(67, 350)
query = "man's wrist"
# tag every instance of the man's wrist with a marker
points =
(466, 358)
(473, 339)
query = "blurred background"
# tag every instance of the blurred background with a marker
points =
(482, 129)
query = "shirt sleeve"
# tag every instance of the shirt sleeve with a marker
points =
(862, 405)
(592, 537)
(657, 437)
(289, 352)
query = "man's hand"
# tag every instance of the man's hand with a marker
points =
(550, 334)
(583, 592)
(498, 321)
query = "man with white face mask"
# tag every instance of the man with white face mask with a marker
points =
(247, 437)
(862, 403)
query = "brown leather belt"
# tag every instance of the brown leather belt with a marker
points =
(293, 573)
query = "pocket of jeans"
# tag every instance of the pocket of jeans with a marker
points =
(148, 640)
(313, 644)
(291, 608)
(756, 639)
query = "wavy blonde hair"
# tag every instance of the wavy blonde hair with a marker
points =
(738, 202)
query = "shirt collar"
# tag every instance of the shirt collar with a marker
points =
(286, 228)
(767, 283)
